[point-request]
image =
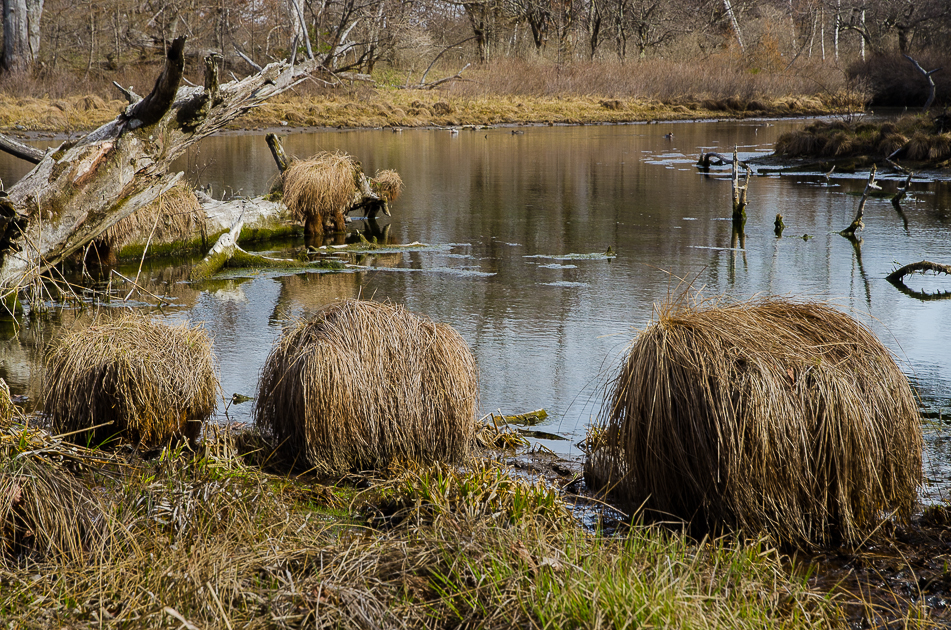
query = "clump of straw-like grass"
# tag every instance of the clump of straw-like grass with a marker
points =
(388, 184)
(174, 216)
(8, 411)
(362, 384)
(145, 380)
(318, 190)
(43, 508)
(770, 415)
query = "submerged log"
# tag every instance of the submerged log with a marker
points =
(79, 190)
(897, 279)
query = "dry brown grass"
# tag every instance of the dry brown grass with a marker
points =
(388, 184)
(319, 189)
(912, 137)
(771, 415)
(8, 411)
(176, 215)
(362, 384)
(147, 381)
(43, 509)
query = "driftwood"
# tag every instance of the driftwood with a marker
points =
(857, 223)
(919, 267)
(79, 190)
(897, 278)
(711, 159)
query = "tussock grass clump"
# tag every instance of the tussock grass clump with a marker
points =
(388, 184)
(319, 189)
(916, 138)
(362, 384)
(145, 380)
(8, 411)
(764, 416)
(175, 216)
(43, 509)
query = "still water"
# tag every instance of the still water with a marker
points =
(518, 225)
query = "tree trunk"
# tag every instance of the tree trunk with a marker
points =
(21, 33)
(78, 191)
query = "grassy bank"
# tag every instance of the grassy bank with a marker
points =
(504, 92)
(920, 140)
(212, 539)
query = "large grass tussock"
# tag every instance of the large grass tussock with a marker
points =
(149, 381)
(362, 384)
(771, 415)
(321, 188)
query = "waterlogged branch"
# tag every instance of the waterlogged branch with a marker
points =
(897, 278)
(857, 223)
(919, 267)
(739, 191)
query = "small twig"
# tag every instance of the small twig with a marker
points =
(141, 288)
(158, 215)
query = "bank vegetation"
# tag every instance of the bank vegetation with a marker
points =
(441, 62)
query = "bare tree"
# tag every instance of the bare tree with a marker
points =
(21, 33)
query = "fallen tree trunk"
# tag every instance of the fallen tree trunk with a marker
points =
(79, 190)
(897, 279)
(919, 267)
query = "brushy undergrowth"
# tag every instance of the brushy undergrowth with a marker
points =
(914, 138)
(763, 416)
(206, 540)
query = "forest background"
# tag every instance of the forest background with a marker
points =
(617, 59)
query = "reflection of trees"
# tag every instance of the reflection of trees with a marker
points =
(857, 260)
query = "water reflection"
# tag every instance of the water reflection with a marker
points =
(505, 211)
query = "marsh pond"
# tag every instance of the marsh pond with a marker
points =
(548, 249)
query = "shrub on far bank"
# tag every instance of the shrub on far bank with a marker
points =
(893, 81)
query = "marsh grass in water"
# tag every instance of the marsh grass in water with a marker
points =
(915, 138)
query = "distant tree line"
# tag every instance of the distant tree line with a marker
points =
(359, 35)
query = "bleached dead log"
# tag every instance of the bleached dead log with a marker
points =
(79, 190)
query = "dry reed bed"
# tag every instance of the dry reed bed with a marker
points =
(914, 138)
(361, 384)
(144, 380)
(767, 416)
(504, 91)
